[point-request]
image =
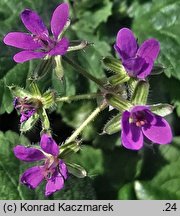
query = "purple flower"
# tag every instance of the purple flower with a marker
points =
(26, 108)
(141, 121)
(54, 170)
(138, 61)
(39, 44)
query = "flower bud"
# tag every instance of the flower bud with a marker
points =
(140, 93)
(69, 149)
(118, 102)
(76, 170)
(113, 125)
(58, 68)
(118, 79)
(29, 124)
(114, 65)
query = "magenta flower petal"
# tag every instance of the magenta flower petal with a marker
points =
(48, 145)
(21, 40)
(60, 48)
(28, 154)
(26, 115)
(55, 183)
(146, 69)
(59, 19)
(138, 62)
(126, 44)
(32, 177)
(63, 169)
(134, 65)
(158, 130)
(33, 22)
(131, 136)
(26, 55)
(149, 48)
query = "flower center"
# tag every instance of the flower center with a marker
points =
(50, 166)
(139, 118)
(44, 41)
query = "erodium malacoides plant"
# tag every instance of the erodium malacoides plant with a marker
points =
(138, 121)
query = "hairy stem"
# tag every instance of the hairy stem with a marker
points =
(82, 71)
(77, 97)
(86, 122)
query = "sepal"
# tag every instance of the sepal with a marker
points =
(68, 149)
(118, 102)
(115, 65)
(161, 109)
(157, 69)
(29, 124)
(58, 68)
(140, 94)
(76, 170)
(118, 79)
(113, 125)
(48, 99)
(78, 45)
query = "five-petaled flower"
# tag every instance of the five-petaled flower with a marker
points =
(141, 121)
(39, 44)
(138, 61)
(54, 170)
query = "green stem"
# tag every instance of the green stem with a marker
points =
(77, 97)
(86, 122)
(83, 71)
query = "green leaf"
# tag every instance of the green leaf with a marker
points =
(89, 158)
(10, 80)
(162, 109)
(89, 21)
(127, 192)
(161, 20)
(120, 167)
(147, 191)
(10, 166)
(87, 27)
(171, 152)
(76, 189)
(75, 114)
(165, 184)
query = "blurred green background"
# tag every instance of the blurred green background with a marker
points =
(113, 171)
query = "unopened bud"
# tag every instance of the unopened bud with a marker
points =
(140, 94)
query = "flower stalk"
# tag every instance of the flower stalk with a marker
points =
(82, 71)
(86, 122)
(77, 97)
